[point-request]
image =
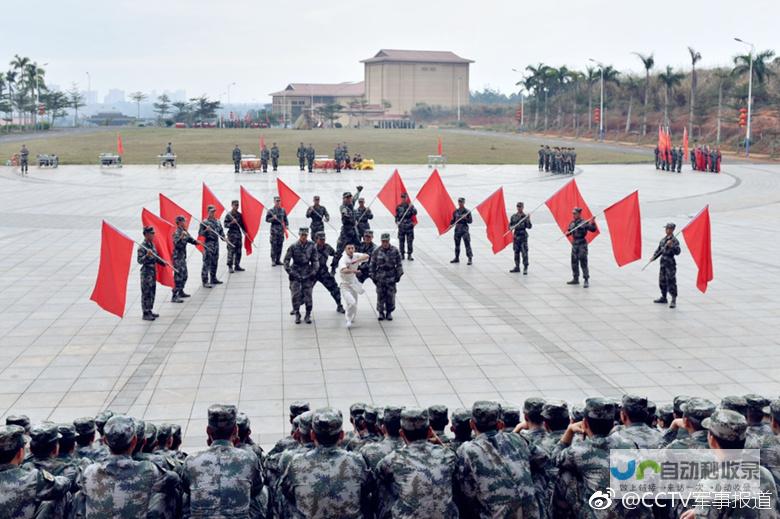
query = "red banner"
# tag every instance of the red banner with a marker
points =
(436, 200)
(120, 149)
(169, 210)
(209, 198)
(252, 211)
(163, 242)
(698, 238)
(563, 202)
(493, 212)
(116, 253)
(625, 229)
(288, 197)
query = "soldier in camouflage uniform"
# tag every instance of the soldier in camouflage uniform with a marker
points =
(302, 264)
(541, 157)
(176, 443)
(462, 216)
(327, 481)
(363, 215)
(416, 481)
(318, 215)
(236, 156)
(180, 240)
(85, 439)
(757, 429)
(234, 223)
(494, 472)
(373, 452)
(405, 214)
(264, 156)
(44, 447)
(301, 155)
(532, 427)
(67, 446)
(367, 246)
(338, 157)
(100, 422)
(274, 156)
(310, 158)
(519, 224)
(245, 437)
(770, 446)
(510, 415)
(356, 411)
(211, 231)
(386, 272)
(438, 415)
(348, 232)
(664, 416)
(21, 420)
(735, 403)
(667, 276)
(148, 259)
(302, 435)
(277, 217)
(367, 430)
(461, 428)
(633, 415)
(727, 430)
(297, 408)
(27, 492)
(223, 481)
(324, 276)
(578, 230)
(122, 486)
(695, 411)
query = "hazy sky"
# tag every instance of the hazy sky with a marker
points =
(202, 45)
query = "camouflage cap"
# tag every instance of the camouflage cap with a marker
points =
(414, 419)
(368, 232)
(305, 423)
(180, 219)
(670, 225)
(101, 419)
(404, 195)
(356, 409)
(346, 194)
(11, 438)
(327, 421)
(298, 407)
(678, 402)
(148, 230)
(150, 432)
(277, 199)
(773, 410)
(164, 432)
(461, 199)
(600, 408)
(320, 235)
(726, 424)
(243, 422)
(577, 412)
(176, 431)
(438, 413)
(735, 403)
(651, 407)
(665, 412)
(533, 406)
(577, 210)
(519, 204)
(756, 402)
(392, 415)
(119, 432)
(486, 414)
(460, 417)
(316, 197)
(510, 415)
(698, 408)
(222, 416)
(385, 236)
(22, 420)
(296, 422)
(140, 430)
(634, 403)
(303, 230)
(84, 426)
(370, 415)
(67, 431)
(211, 208)
(44, 433)
(555, 410)
(361, 199)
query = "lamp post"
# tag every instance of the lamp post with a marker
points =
(459, 100)
(750, 96)
(601, 104)
(522, 102)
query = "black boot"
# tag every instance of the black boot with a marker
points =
(525, 270)
(673, 304)
(410, 257)
(381, 316)
(148, 316)
(455, 260)
(307, 317)
(389, 316)
(574, 281)
(297, 317)
(586, 284)
(175, 298)
(516, 269)
(469, 261)
(182, 294)
(239, 269)
(230, 269)
(340, 309)
(216, 282)
(292, 312)
(661, 300)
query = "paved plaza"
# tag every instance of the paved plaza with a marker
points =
(460, 333)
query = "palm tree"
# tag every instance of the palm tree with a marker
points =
(648, 62)
(34, 77)
(761, 70)
(670, 79)
(631, 85)
(611, 75)
(3, 85)
(591, 76)
(163, 106)
(575, 79)
(10, 78)
(138, 97)
(19, 65)
(559, 78)
(695, 57)
(532, 88)
(540, 77)
(724, 83)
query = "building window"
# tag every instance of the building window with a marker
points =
(429, 69)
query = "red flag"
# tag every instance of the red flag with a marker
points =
(120, 149)
(169, 210)
(262, 142)
(698, 238)
(493, 212)
(436, 200)
(209, 198)
(685, 144)
(439, 147)
(288, 197)
(390, 194)
(660, 139)
(252, 211)
(116, 253)
(561, 204)
(625, 229)
(163, 242)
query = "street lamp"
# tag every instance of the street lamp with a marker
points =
(750, 96)
(459, 101)
(522, 102)
(601, 106)
(228, 91)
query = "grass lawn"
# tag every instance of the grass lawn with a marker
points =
(213, 146)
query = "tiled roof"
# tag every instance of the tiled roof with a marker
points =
(419, 56)
(323, 89)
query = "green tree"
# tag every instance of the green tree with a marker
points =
(648, 61)
(183, 112)
(592, 76)
(761, 70)
(138, 97)
(203, 108)
(56, 103)
(19, 65)
(76, 101)
(670, 80)
(695, 58)
(329, 112)
(163, 106)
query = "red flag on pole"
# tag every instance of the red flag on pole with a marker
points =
(561, 204)
(116, 253)
(439, 147)
(685, 144)
(252, 211)
(209, 198)
(262, 142)
(660, 139)
(163, 242)
(120, 149)
(493, 212)
(390, 194)
(698, 238)
(436, 200)
(625, 229)
(169, 210)
(288, 197)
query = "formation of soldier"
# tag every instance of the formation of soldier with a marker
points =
(706, 159)
(543, 459)
(560, 160)
(670, 159)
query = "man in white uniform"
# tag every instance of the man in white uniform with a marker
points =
(349, 285)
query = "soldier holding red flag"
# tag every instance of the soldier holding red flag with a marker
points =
(148, 259)
(578, 230)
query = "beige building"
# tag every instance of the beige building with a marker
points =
(298, 98)
(404, 78)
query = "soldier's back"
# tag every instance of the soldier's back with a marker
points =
(641, 435)
(24, 490)
(373, 452)
(95, 452)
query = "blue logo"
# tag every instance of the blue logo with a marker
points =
(631, 469)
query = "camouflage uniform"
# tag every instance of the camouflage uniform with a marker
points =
(494, 473)
(327, 481)
(275, 156)
(223, 481)
(461, 231)
(180, 240)
(416, 481)
(364, 269)
(667, 275)
(363, 215)
(697, 409)
(301, 155)
(638, 433)
(318, 215)
(277, 217)
(305, 444)
(438, 415)
(770, 446)
(756, 433)
(234, 223)
(323, 274)
(48, 434)
(348, 232)
(245, 442)
(310, 158)
(374, 452)
(208, 273)
(369, 418)
(264, 156)
(404, 219)
(236, 156)
(386, 271)
(520, 238)
(541, 158)
(302, 263)
(95, 451)
(123, 487)
(510, 415)
(27, 492)
(461, 426)
(579, 247)
(148, 275)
